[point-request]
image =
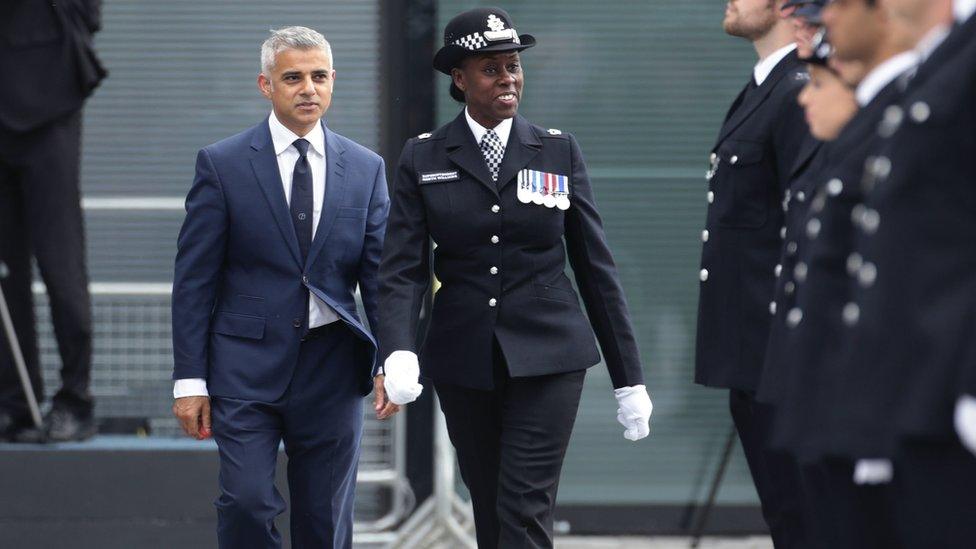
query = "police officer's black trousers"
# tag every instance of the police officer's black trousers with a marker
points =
(40, 217)
(510, 444)
(776, 475)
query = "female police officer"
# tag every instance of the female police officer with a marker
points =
(508, 346)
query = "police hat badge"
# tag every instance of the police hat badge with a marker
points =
(479, 30)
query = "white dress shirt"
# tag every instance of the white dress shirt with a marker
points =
(931, 41)
(503, 129)
(964, 9)
(765, 67)
(884, 74)
(319, 314)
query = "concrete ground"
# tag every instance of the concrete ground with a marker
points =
(676, 542)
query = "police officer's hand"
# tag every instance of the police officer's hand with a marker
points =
(634, 411)
(965, 420)
(381, 401)
(194, 415)
(402, 377)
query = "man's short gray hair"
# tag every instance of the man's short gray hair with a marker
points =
(291, 38)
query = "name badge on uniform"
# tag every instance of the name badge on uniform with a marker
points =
(546, 189)
(439, 177)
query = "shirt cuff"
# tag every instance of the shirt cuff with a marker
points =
(190, 387)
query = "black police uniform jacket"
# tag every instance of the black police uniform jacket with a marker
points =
(500, 263)
(751, 165)
(914, 346)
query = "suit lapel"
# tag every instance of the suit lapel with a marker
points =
(265, 166)
(335, 185)
(808, 149)
(463, 151)
(759, 97)
(523, 146)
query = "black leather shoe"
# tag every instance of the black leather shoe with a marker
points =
(30, 435)
(63, 426)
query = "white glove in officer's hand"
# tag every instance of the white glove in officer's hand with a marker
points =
(402, 377)
(634, 411)
(872, 471)
(965, 420)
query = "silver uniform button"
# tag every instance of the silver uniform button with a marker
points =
(772, 307)
(813, 228)
(835, 186)
(851, 314)
(492, 302)
(712, 158)
(818, 203)
(800, 272)
(705, 235)
(791, 248)
(710, 196)
(892, 120)
(854, 262)
(867, 274)
(794, 317)
(920, 111)
(734, 159)
(870, 221)
(703, 275)
(496, 208)
(801, 196)
(493, 270)
(782, 232)
(789, 288)
(495, 239)
(778, 270)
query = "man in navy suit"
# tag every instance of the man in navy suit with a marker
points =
(283, 221)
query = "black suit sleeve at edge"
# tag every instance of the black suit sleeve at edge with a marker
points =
(369, 262)
(404, 274)
(596, 277)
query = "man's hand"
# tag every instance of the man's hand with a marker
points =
(194, 415)
(381, 403)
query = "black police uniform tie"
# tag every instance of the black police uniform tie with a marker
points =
(493, 151)
(301, 198)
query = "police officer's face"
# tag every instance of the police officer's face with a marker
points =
(750, 19)
(828, 102)
(803, 34)
(857, 30)
(492, 86)
(299, 88)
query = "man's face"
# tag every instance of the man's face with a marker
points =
(750, 19)
(828, 103)
(299, 88)
(856, 29)
(803, 34)
(492, 86)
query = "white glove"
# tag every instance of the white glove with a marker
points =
(965, 420)
(872, 472)
(634, 411)
(402, 377)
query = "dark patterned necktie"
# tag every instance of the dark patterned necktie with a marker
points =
(301, 198)
(491, 148)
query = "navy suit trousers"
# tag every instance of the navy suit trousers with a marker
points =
(320, 420)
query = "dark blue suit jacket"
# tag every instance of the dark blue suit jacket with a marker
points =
(239, 291)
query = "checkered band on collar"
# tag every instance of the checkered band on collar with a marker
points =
(473, 41)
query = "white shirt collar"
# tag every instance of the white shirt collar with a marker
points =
(964, 9)
(503, 129)
(931, 41)
(282, 137)
(766, 66)
(884, 74)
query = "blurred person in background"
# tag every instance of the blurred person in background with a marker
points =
(909, 374)
(283, 222)
(50, 69)
(750, 169)
(508, 346)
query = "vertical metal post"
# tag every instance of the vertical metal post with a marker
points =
(18, 355)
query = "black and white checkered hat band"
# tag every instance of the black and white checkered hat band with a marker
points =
(473, 41)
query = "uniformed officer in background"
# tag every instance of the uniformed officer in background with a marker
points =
(911, 282)
(508, 344)
(750, 169)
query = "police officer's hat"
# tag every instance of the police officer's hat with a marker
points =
(476, 31)
(821, 50)
(807, 9)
